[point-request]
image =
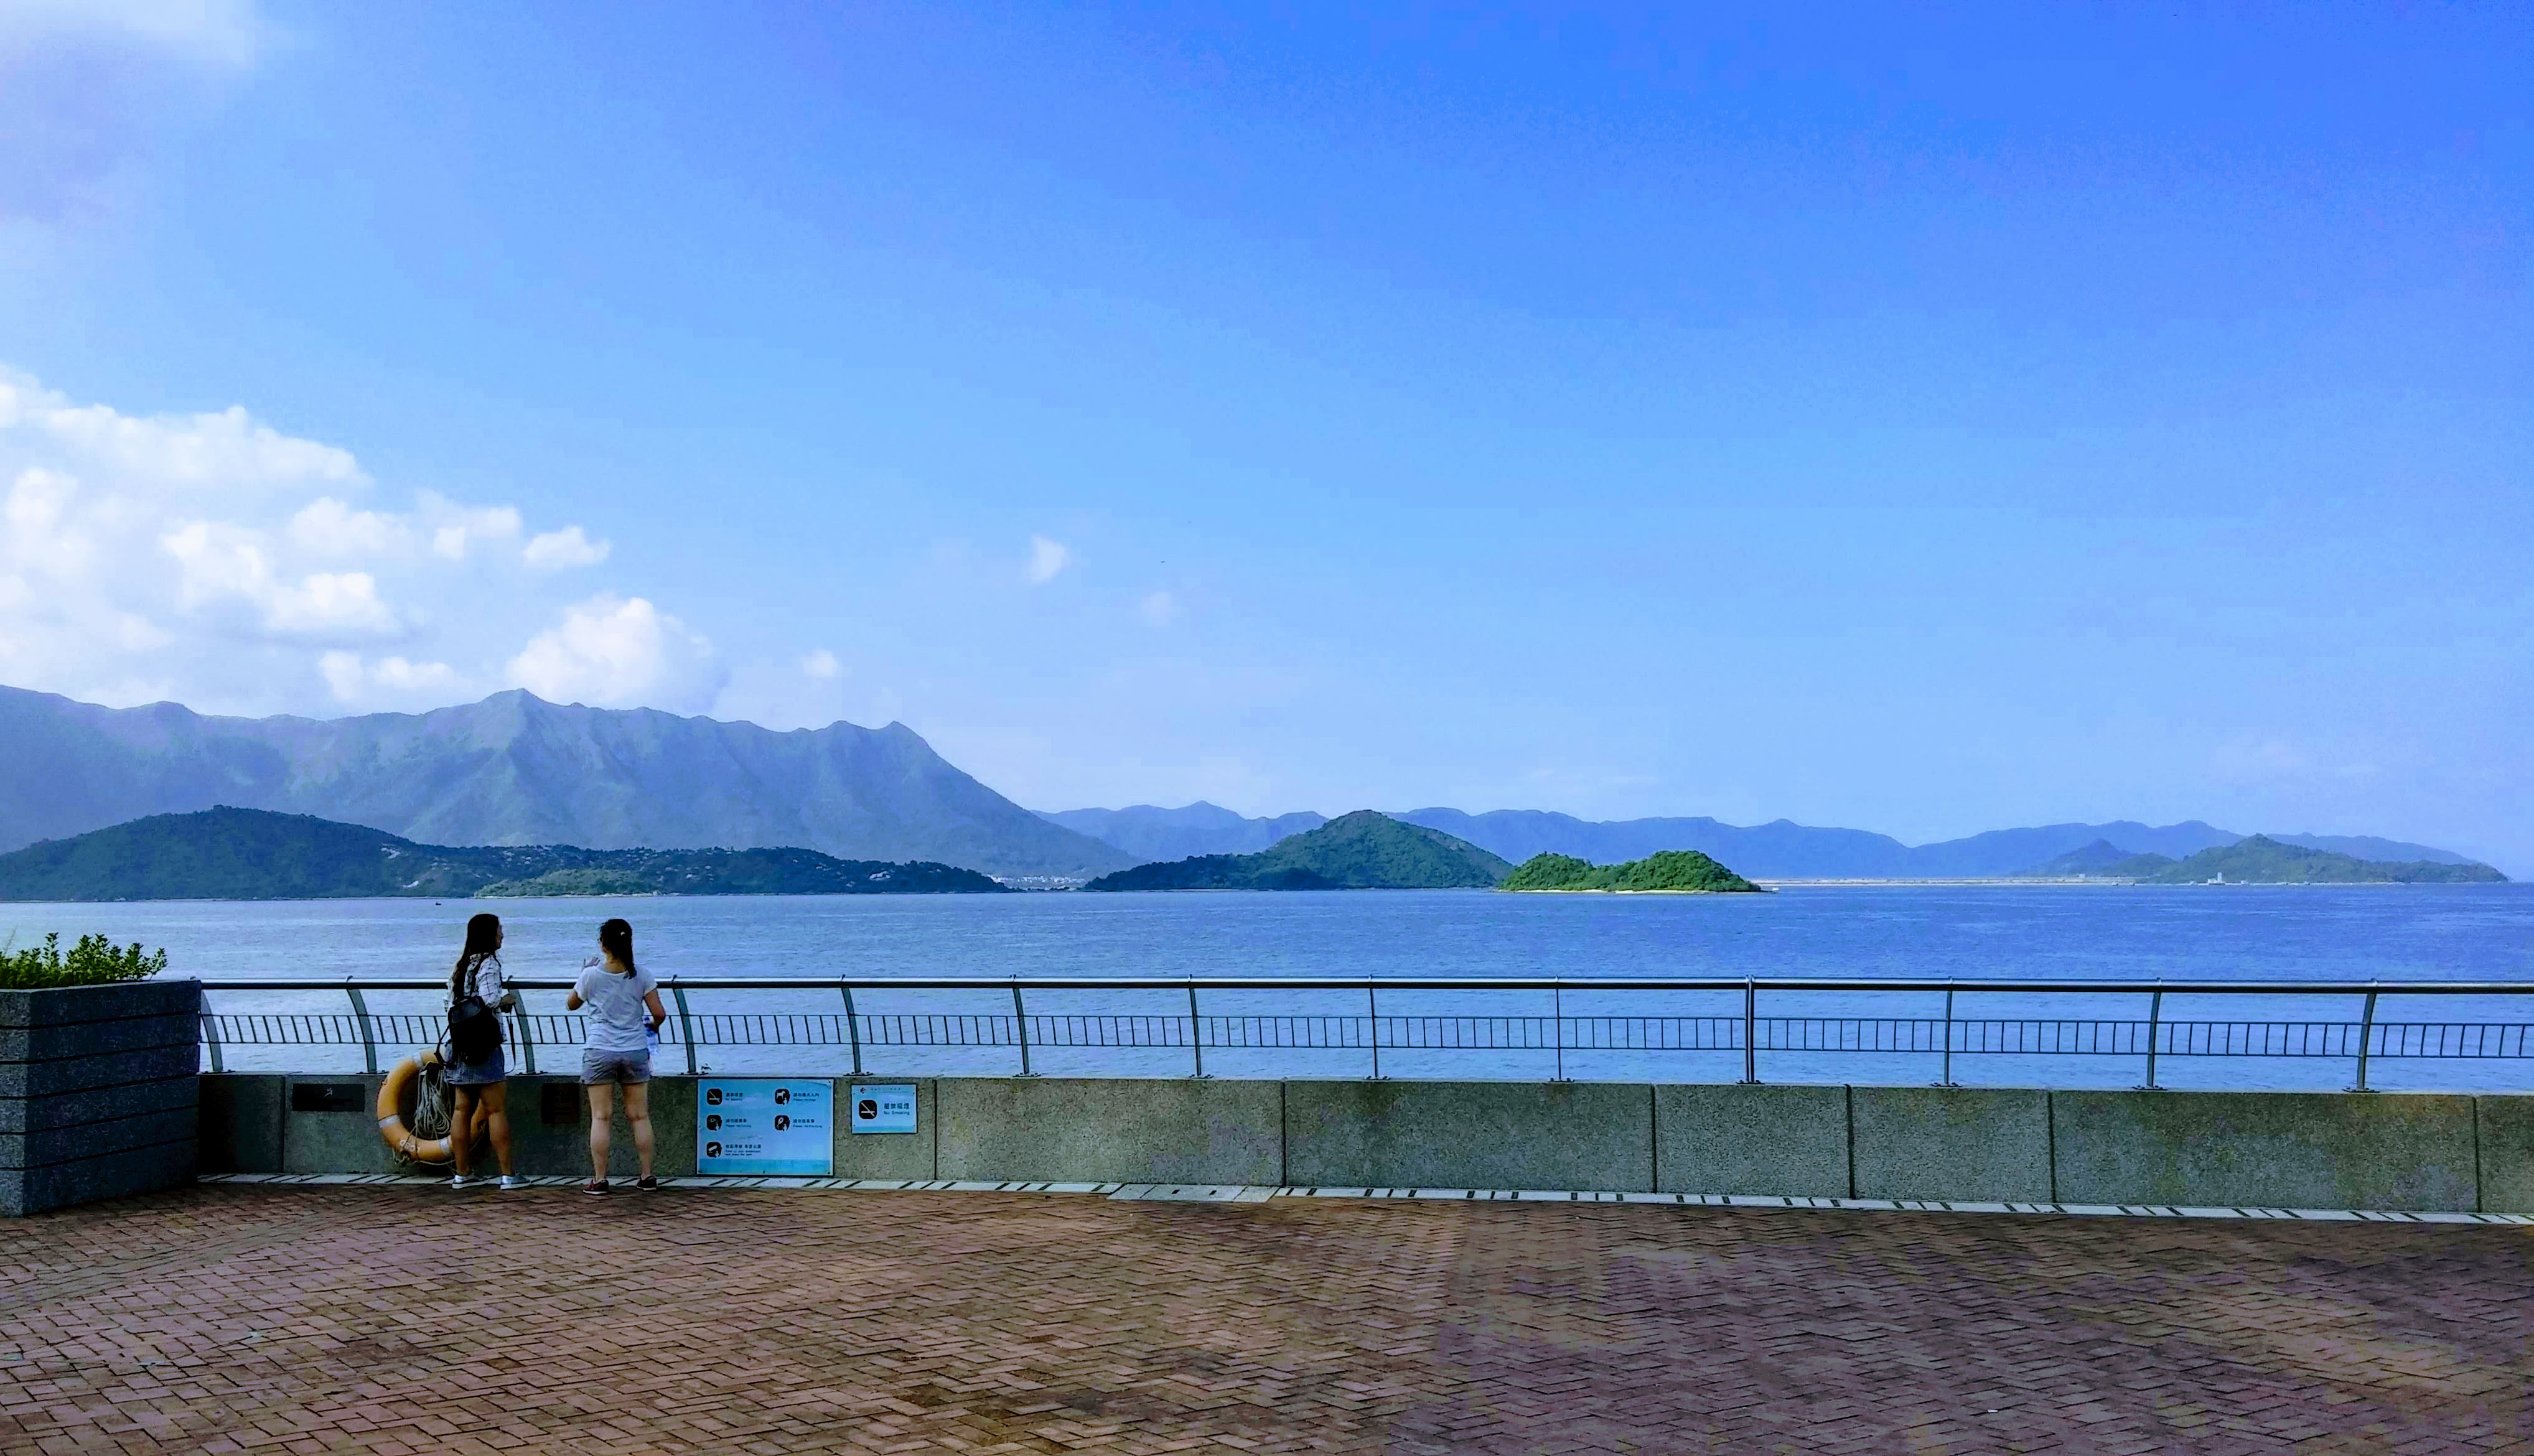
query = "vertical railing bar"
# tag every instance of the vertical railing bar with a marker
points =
(1020, 1026)
(686, 1023)
(2154, 1021)
(1750, 1033)
(2366, 1030)
(212, 1034)
(361, 1018)
(1196, 1031)
(527, 1039)
(853, 1029)
(1557, 1025)
(1949, 1039)
(1373, 1027)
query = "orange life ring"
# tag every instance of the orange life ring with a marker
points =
(391, 1093)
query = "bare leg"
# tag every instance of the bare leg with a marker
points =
(637, 1111)
(497, 1116)
(461, 1127)
(602, 1113)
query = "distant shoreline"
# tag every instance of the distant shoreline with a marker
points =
(1597, 891)
(2097, 882)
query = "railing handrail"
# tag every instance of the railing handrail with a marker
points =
(1430, 983)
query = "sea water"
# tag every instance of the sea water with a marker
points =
(2132, 935)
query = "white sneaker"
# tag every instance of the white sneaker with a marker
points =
(510, 1184)
(464, 1181)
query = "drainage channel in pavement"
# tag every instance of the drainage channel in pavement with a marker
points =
(1256, 1194)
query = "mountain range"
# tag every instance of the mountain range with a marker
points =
(1779, 850)
(516, 770)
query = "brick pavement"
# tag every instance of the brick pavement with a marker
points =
(384, 1320)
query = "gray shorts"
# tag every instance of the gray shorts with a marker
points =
(599, 1068)
(482, 1073)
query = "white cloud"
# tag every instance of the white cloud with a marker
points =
(209, 558)
(1047, 558)
(454, 526)
(820, 664)
(1159, 609)
(225, 33)
(555, 550)
(614, 652)
(390, 679)
(328, 528)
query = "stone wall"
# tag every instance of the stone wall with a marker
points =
(98, 1092)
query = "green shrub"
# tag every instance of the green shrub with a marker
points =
(93, 960)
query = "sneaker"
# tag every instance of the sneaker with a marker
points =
(595, 1186)
(465, 1181)
(510, 1184)
(648, 1184)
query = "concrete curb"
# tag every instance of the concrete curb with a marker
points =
(1257, 1194)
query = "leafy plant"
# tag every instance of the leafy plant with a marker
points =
(93, 960)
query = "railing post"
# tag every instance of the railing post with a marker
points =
(1948, 1078)
(1557, 1025)
(686, 1024)
(361, 1016)
(212, 1034)
(854, 1030)
(1196, 1031)
(1020, 1024)
(527, 1039)
(1750, 1033)
(2366, 1034)
(2154, 1023)
(1372, 1033)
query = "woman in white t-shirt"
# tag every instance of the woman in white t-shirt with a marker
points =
(624, 1014)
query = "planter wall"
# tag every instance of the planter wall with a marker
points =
(98, 1092)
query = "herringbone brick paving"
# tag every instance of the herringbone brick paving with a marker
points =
(375, 1321)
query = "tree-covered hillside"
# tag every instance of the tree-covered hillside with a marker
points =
(2101, 860)
(1362, 850)
(250, 854)
(2262, 860)
(1672, 872)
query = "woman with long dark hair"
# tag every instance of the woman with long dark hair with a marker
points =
(477, 1079)
(624, 1014)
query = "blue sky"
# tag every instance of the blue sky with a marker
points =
(2031, 413)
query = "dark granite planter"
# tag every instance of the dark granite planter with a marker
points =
(98, 1092)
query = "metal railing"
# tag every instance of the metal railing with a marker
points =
(1940, 1038)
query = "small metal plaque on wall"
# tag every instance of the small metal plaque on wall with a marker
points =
(883, 1107)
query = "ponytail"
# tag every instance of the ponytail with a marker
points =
(616, 937)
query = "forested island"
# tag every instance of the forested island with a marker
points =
(2258, 860)
(1671, 871)
(252, 853)
(2262, 860)
(1362, 850)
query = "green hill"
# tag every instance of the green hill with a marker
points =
(1671, 871)
(2262, 860)
(1362, 850)
(2101, 860)
(250, 854)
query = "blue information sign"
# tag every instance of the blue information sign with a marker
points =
(763, 1125)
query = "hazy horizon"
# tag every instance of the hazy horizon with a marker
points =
(1930, 424)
